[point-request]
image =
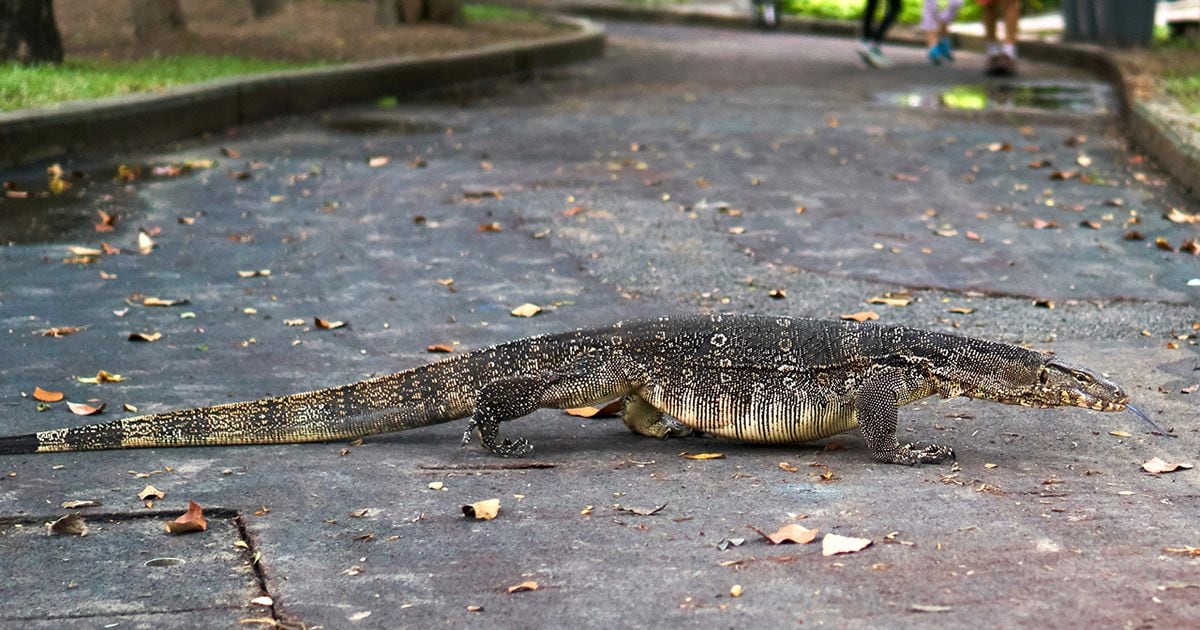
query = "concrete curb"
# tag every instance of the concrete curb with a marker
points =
(147, 119)
(1142, 125)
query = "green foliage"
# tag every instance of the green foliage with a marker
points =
(1186, 89)
(497, 13)
(34, 86)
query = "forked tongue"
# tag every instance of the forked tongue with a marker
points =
(1144, 418)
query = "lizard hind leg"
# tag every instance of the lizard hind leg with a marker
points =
(587, 381)
(644, 419)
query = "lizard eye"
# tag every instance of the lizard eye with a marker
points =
(1082, 378)
(1044, 376)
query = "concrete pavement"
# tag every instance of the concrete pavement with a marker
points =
(709, 168)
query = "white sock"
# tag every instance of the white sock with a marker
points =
(1010, 50)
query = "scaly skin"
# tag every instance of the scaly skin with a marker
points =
(745, 377)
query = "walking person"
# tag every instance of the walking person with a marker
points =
(936, 22)
(869, 49)
(1001, 57)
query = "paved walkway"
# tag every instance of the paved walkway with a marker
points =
(690, 170)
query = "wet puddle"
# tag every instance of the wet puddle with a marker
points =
(1077, 98)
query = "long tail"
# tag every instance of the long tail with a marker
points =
(429, 394)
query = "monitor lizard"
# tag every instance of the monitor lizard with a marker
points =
(754, 378)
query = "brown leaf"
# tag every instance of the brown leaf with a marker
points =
(107, 221)
(78, 250)
(1064, 175)
(46, 395)
(101, 377)
(1133, 235)
(526, 310)
(482, 510)
(523, 586)
(69, 525)
(1191, 246)
(490, 227)
(1076, 140)
(792, 533)
(640, 511)
(157, 301)
(326, 324)
(1042, 163)
(475, 195)
(61, 331)
(999, 146)
(231, 152)
(254, 273)
(191, 521)
(1040, 224)
(439, 347)
(613, 408)
(787, 467)
(418, 162)
(861, 316)
(703, 455)
(150, 492)
(906, 177)
(81, 409)
(1163, 244)
(962, 310)
(81, 503)
(834, 544)
(777, 294)
(1157, 466)
(141, 336)
(1178, 216)
(570, 212)
(1044, 304)
(1095, 225)
(893, 298)
(127, 174)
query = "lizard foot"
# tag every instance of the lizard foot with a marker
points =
(489, 433)
(916, 453)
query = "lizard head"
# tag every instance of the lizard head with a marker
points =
(1062, 385)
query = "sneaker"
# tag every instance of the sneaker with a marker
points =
(864, 53)
(934, 54)
(1000, 65)
(878, 59)
(945, 49)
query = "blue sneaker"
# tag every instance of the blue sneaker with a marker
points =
(945, 50)
(934, 55)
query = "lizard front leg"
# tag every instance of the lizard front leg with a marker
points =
(878, 410)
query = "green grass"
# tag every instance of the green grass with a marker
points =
(497, 13)
(1187, 90)
(34, 86)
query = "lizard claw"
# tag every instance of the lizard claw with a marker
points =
(468, 433)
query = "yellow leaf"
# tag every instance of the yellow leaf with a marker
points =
(1120, 434)
(523, 586)
(834, 544)
(100, 377)
(482, 510)
(526, 310)
(861, 316)
(703, 455)
(736, 590)
(150, 492)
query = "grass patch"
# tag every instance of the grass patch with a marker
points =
(497, 13)
(35, 86)
(1186, 89)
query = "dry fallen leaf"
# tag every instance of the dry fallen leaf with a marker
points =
(101, 377)
(150, 492)
(702, 455)
(526, 310)
(1163, 244)
(834, 544)
(893, 298)
(482, 510)
(107, 221)
(69, 525)
(611, 409)
(792, 533)
(1122, 434)
(263, 600)
(929, 608)
(1083, 160)
(326, 324)
(79, 503)
(777, 294)
(861, 316)
(378, 161)
(735, 590)
(523, 586)
(81, 409)
(439, 347)
(141, 336)
(1178, 216)
(1157, 466)
(46, 395)
(962, 310)
(191, 521)
(59, 331)
(145, 243)
(156, 301)
(787, 467)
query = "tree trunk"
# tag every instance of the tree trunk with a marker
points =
(29, 22)
(394, 12)
(267, 8)
(444, 11)
(155, 18)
